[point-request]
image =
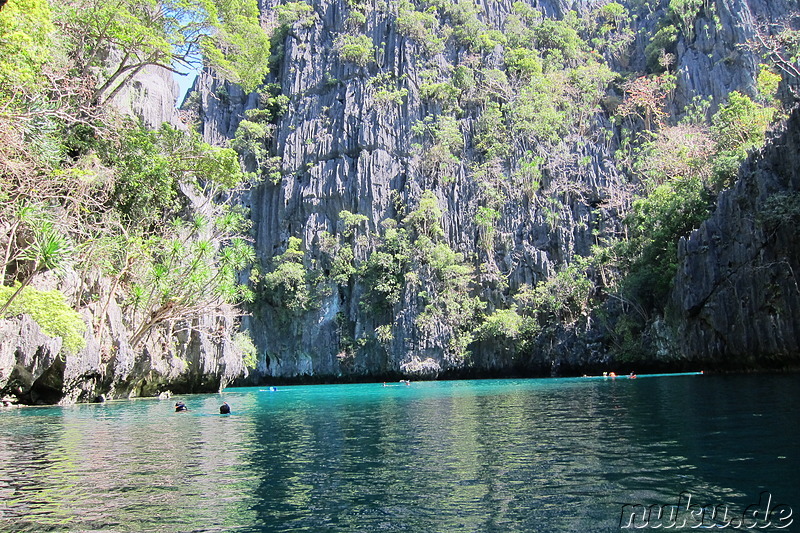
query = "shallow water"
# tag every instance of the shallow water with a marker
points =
(476, 456)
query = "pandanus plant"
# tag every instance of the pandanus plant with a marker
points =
(48, 250)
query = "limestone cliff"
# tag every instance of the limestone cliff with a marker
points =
(736, 298)
(35, 369)
(415, 180)
(352, 138)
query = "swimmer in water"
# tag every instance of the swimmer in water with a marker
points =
(224, 409)
(180, 406)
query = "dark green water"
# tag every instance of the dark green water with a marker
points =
(474, 456)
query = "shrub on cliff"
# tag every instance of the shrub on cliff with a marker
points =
(50, 310)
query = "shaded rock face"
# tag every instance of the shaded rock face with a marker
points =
(737, 292)
(27, 357)
(342, 149)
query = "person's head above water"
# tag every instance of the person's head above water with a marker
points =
(224, 409)
(180, 406)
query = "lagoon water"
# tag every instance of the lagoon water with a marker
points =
(544, 455)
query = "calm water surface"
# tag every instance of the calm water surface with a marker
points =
(474, 456)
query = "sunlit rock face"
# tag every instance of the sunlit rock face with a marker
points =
(341, 145)
(150, 96)
(26, 355)
(35, 369)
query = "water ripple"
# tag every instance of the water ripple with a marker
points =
(491, 456)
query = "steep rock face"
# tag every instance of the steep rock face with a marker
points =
(35, 369)
(26, 355)
(717, 59)
(737, 292)
(341, 147)
(150, 96)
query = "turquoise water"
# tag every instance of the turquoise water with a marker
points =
(476, 456)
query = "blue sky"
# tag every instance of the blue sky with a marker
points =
(184, 82)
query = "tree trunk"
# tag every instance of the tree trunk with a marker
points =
(19, 290)
(156, 317)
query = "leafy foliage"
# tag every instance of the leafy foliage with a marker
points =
(781, 209)
(738, 127)
(656, 223)
(172, 33)
(293, 12)
(152, 164)
(685, 13)
(50, 310)
(25, 28)
(288, 282)
(189, 271)
(244, 344)
(384, 270)
(664, 41)
(421, 26)
(356, 49)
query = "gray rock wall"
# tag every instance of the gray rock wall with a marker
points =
(35, 370)
(737, 293)
(341, 149)
(150, 96)
(187, 356)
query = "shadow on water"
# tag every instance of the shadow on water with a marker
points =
(482, 456)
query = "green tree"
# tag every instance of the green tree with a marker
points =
(356, 49)
(288, 282)
(655, 224)
(426, 219)
(564, 297)
(383, 272)
(48, 249)
(151, 165)
(685, 13)
(421, 26)
(292, 12)
(664, 41)
(25, 29)
(49, 309)
(738, 127)
(113, 41)
(189, 273)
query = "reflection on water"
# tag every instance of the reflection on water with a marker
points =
(482, 456)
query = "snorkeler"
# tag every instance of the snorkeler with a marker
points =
(224, 409)
(180, 406)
